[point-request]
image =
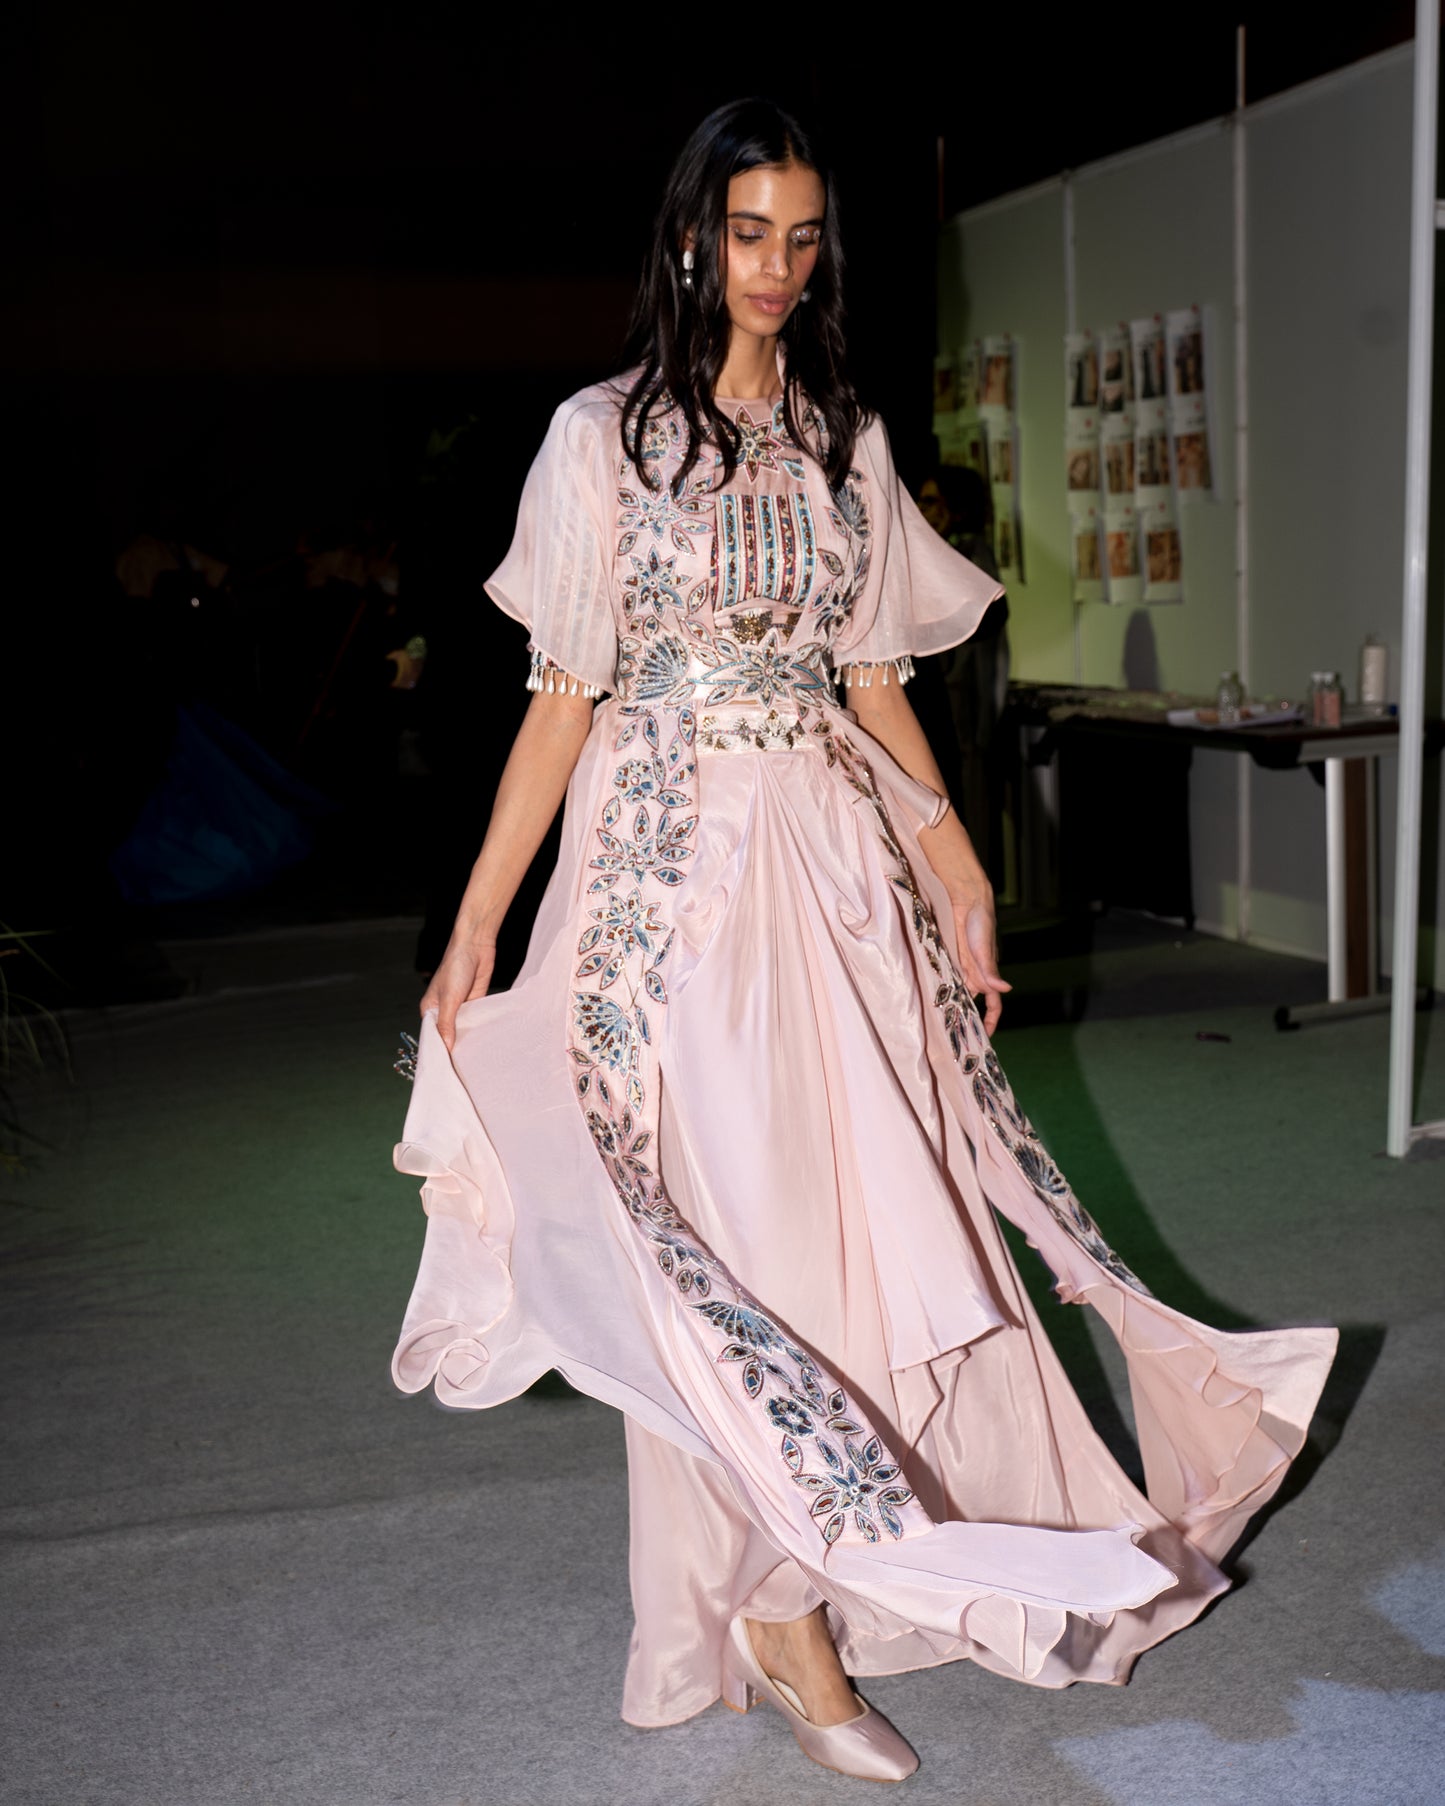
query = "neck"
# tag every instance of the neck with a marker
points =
(751, 369)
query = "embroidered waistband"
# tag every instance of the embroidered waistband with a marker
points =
(665, 672)
(758, 730)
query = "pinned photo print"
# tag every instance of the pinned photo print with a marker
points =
(1116, 362)
(1081, 371)
(1147, 337)
(1187, 362)
(1164, 555)
(1152, 460)
(1083, 469)
(998, 364)
(1119, 466)
(1122, 550)
(1191, 461)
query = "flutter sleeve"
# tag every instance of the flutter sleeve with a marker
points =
(555, 577)
(919, 596)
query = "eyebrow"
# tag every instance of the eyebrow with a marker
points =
(764, 219)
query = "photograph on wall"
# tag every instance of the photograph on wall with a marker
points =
(1184, 333)
(1003, 476)
(1163, 552)
(1118, 456)
(1116, 368)
(966, 383)
(999, 376)
(1081, 459)
(1081, 373)
(1085, 559)
(1153, 477)
(1187, 363)
(1147, 341)
(1123, 578)
(1191, 460)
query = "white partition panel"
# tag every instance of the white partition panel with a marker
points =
(1328, 193)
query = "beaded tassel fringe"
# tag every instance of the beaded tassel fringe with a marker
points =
(862, 674)
(547, 675)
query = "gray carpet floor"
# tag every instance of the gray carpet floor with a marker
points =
(238, 1568)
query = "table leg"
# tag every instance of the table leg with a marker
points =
(1359, 912)
(1335, 891)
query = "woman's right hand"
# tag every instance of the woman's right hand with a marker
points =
(465, 973)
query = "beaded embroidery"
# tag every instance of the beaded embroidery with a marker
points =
(669, 661)
(900, 670)
(546, 674)
(991, 1090)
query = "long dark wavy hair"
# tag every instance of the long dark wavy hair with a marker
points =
(679, 336)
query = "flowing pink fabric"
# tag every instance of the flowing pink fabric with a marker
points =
(756, 1211)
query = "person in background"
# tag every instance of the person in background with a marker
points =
(954, 501)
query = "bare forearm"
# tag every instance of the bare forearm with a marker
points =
(534, 781)
(888, 715)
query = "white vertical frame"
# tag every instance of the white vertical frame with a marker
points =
(1399, 1130)
(1244, 831)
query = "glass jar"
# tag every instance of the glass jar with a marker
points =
(1327, 699)
(1230, 698)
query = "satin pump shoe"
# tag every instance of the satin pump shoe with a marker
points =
(866, 1747)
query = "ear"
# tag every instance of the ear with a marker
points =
(689, 240)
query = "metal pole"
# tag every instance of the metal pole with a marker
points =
(1335, 877)
(1244, 832)
(1412, 632)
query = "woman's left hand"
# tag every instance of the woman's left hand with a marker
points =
(977, 932)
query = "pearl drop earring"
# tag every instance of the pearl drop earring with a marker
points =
(807, 295)
(687, 263)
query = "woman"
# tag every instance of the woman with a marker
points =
(744, 1052)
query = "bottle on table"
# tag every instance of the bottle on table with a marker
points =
(1327, 699)
(1230, 698)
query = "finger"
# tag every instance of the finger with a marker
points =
(983, 950)
(993, 1009)
(968, 967)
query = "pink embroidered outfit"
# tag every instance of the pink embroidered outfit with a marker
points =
(729, 1151)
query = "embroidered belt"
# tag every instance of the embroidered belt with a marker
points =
(758, 730)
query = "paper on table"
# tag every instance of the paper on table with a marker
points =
(1253, 714)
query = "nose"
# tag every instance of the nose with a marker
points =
(780, 261)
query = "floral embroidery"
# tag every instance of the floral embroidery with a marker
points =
(606, 1030)
(860, 1481)
(991, 1089)
(670, 660)
(656, 670)
(651, 590)
(664, 515)
(766, 444)
(763, 672)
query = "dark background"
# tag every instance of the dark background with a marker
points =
(260, 254)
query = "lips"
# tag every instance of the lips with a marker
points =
(772, 304)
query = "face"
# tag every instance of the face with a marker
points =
(770, 244)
